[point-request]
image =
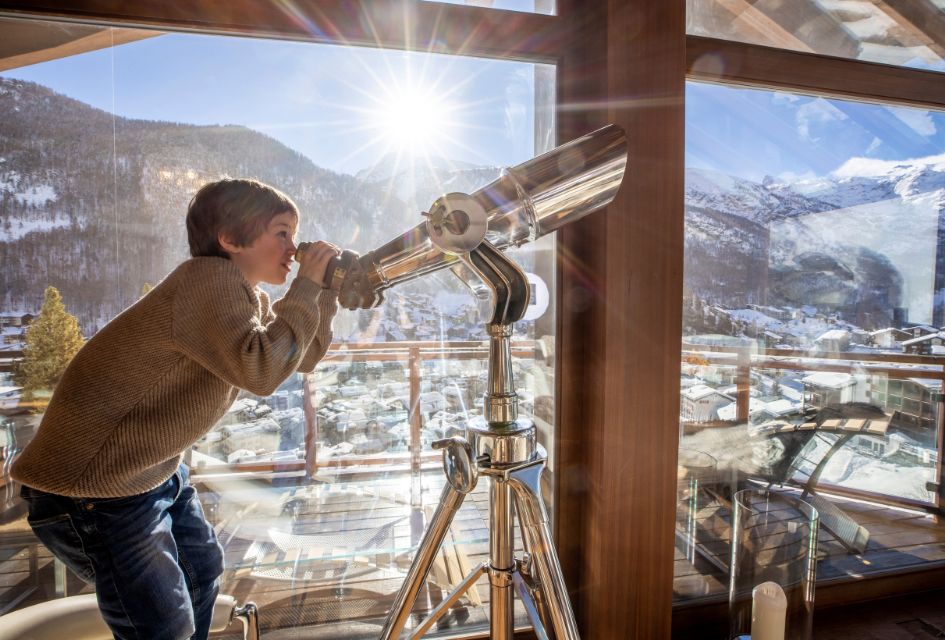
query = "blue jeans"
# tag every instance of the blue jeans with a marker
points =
(154, 560)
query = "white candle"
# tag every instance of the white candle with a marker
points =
(768, 610)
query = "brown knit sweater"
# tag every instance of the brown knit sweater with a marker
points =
(161, 374)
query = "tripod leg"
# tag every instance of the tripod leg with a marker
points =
(537, 537)
(531, 607)
(457, 593)
(450, 502)
(502, 561)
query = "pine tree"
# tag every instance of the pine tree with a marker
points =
(52, 339)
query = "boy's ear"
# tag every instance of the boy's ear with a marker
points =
(228, 246)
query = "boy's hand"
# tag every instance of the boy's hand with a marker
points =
(313, 259)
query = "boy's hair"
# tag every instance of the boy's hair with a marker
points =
(239, 209)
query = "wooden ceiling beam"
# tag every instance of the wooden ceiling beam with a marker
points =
(397, 24)
(759, 27)
(921, 18)
(99, 39)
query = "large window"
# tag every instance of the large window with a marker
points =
(812, 324)
(318, 492)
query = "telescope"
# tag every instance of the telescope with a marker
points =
(467, 234)
(526, 202)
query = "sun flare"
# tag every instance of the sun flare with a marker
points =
(413, 120)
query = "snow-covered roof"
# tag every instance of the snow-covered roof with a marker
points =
(791, 394)
(782, 407)
(833, 334)
(700, 391)
(829, 380)
(755, 317)
(730, 411)
(690, 381)
(925, 338)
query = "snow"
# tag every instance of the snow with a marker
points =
(783, 407)
(879, 227)
(19, 227)
(36, 195)
(699, 391)
(834, 334)
(873, 168)
(754, 317)
(829, 380)
(885, 478)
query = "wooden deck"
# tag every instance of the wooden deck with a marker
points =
(324, 560)
(326, 557)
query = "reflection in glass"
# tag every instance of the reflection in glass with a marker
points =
(774, 553)
(906, 34)
(813, 315)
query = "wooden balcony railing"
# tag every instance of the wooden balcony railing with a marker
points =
(411, 353)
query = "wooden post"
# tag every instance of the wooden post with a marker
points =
(415, 442)
(743, 386)
(311, 427)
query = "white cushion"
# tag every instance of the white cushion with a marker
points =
(78, 618)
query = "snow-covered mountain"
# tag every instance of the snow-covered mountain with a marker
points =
(761, 203)
(418, 180)
(94, 204)
(863, 241)
(864, 180)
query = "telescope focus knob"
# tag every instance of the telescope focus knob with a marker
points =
(456, 223)
(338, 268)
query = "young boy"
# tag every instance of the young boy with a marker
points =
(103, 477)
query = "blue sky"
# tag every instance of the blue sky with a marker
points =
(339, 106)
(753, 133)
(332, 103)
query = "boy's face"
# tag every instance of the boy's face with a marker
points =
(269, 257)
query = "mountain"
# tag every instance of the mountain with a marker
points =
(863, 180)
(864, 241)
(419, 180)
(94, 204)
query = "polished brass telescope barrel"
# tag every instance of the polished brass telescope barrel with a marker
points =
(526, 202)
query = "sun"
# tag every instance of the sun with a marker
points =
(412, 119)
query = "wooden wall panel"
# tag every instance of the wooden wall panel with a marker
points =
(620, 306)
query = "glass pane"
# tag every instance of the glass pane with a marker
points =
(313, 490)
(546, 7)
(813, 315)
(907, 33)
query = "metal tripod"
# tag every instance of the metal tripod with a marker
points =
(503, 447)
